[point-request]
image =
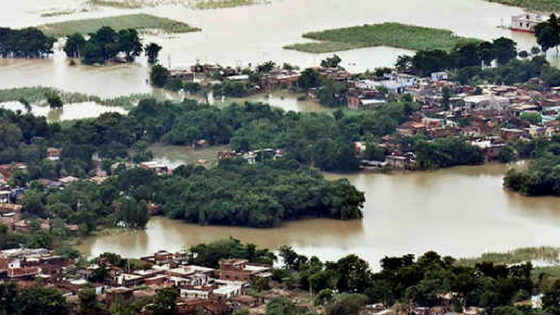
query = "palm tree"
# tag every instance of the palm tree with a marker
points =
(152, 51)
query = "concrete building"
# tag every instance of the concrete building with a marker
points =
(526, 22)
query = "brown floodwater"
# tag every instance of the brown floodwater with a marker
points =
(68, 112)
(281, 99)
(249, 34)
(462, 211)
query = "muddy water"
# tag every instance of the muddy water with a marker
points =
(281, 99)
(252, 34)
(68, 112)
(461, 211)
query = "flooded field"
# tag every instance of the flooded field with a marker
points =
(248, 35)
(68, 112)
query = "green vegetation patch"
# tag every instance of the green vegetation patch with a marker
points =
(545, 253)
(195, 4)
(535, 5)
(387, 34)
(136, 21)
(324, 47)
(38, 95)
(223, 4)
(129, 4)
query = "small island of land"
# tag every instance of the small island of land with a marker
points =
(195, 4)
(534, 5)
(140, 22)
(387, 34)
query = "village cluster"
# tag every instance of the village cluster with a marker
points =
(216, 291)
(212, 291)
(493, 114)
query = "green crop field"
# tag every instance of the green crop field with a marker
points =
(387, 34)
(136, 21)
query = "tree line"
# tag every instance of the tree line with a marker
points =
(323, 140)
(425, 62)
(106, 44)
(29, 42)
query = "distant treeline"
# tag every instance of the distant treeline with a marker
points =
(25, 43)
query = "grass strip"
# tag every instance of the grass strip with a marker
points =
(139, 22)
(387, 34)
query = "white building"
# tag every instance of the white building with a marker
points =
(526, 22)
(440, 76)
(486, 102)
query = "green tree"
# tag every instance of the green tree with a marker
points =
(74, 45)
(55, 101)
(507, 154)
(331, 62)
(165, 302)
(134, 214)
(41, 301)
(88, 302)
(159, 76)
(374, 152)
(68, 252)
(551, 299)
(548, 33)
(404, 63)
(281, 306)
(152, 51)
(505, 50)
(446, 97)
(532, 117)
(10, 134)
(266, 67)
(309, 78)
(289, 257)
(353, 274)
(129, 43)
(33, 204)
(428, 61)
(39, 239)
(9, 292)
(323, 297)
(19, 179)
(550, 75)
